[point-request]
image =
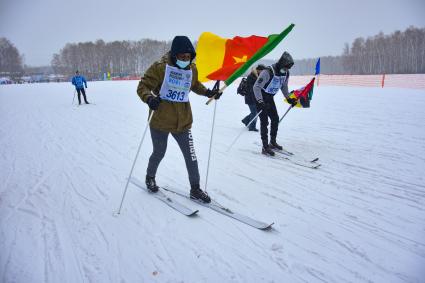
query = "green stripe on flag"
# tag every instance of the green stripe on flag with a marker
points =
(273, 41)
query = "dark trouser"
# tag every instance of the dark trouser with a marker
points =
(250, 116)
(264, 121)
(79, 95)
(185, 142)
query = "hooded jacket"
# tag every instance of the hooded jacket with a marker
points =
(171, 116)
(263, 80)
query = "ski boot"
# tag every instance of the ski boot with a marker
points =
(151, 184)
(274, 145)
(198, 194)
(266, 150)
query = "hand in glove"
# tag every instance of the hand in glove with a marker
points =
(153, 102)
(292, 101)
(213, 93)
(263, 106)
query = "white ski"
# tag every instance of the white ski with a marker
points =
(166, 199)
(293, 155)
(225, 211)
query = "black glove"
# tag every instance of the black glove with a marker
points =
(292, 101)
(215, 92)
(153, 102)
(263, 106)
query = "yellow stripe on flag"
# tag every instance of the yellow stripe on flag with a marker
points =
(210, 52)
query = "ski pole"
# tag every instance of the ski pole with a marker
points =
(280, 120)
(216, 86)
(73, 97)
(134, 162)
(240, 133)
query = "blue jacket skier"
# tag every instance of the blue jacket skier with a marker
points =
(79, 82)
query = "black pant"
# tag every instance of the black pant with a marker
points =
(79, 94)
(185, 142)
(271, 113)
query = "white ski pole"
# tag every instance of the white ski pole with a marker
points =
(73, 97)
(243, 130)
(134, 162)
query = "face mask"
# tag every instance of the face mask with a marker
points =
(182, 64)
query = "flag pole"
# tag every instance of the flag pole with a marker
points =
(221, 91)
(290, 107)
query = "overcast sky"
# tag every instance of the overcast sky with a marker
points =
(39, 28)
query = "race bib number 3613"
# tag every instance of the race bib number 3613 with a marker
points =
(176, 84)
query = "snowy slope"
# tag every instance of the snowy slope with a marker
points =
(359, 218)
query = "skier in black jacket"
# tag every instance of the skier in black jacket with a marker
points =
(266, 86)
(250, 98)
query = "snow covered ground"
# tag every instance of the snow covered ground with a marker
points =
(359, 218)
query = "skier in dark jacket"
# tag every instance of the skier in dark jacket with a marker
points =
(250, 98)
(266, 86)
(79, 82)
(165, 87)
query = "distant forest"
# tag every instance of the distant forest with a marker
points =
(11, 62)
(120, 58)
(397, 53)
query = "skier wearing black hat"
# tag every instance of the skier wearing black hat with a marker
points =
(165, 87)
(266, 86)
(250, 98)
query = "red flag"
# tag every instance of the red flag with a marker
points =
(303, 95)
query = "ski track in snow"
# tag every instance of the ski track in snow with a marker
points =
(360, 217)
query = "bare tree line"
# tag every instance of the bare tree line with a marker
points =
(398, 53)
(119, 58)
(10, 59)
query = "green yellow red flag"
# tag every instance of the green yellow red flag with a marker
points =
(226, 59)
(303, 95)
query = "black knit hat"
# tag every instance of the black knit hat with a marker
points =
(285, 61)
(182, 44)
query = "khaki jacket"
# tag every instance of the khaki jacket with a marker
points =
(171, 117)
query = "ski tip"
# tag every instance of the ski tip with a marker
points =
(314, 160)
(268, 227)
(194, 213)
